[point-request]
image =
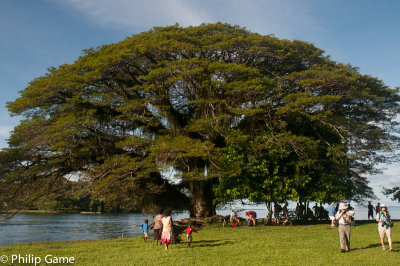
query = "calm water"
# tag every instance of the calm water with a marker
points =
(27, 228)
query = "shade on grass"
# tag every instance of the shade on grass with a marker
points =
(215, 245)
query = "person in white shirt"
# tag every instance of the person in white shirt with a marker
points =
(344, 216)
(384, 226)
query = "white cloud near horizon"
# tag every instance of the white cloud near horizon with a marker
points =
(285, 18)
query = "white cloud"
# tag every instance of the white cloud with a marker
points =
(5, 131)
(139, 14)
(388, 179)
(285, 18)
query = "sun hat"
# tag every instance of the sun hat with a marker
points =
(343, 206)
(383, 206)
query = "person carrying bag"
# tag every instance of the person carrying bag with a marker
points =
(384, 226)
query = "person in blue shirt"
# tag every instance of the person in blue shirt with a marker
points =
(331, 213)
(145, 229)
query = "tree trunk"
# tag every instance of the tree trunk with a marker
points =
(202, 198)
(269, 216)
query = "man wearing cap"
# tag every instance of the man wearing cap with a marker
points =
(384, 226)
(344, 216)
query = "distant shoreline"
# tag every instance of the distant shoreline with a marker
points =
(98, 213)
(37, 211)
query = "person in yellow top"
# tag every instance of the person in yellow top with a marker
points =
(344, 216)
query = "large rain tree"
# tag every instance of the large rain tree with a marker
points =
(192, 117)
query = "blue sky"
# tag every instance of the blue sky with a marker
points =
(35, 35)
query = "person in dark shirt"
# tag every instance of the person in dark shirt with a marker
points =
(370, 210)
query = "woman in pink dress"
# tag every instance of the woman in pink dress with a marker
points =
(167, 236)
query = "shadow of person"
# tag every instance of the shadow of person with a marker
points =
(209, 241)
(215, 243)
(376, 245)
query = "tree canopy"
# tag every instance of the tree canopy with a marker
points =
(194, 117)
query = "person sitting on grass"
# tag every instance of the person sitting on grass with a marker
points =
(251, 217)
(234, 219)
(145, 229)
(189, 230)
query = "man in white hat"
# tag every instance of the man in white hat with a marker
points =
(344, 216)
(384, 226)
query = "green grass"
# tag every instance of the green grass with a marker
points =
(215, 245)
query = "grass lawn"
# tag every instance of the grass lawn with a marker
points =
(215, 245)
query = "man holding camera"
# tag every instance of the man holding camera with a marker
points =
(344, 216)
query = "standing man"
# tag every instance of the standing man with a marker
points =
(344, 216)
(370, 210)
(316, 211)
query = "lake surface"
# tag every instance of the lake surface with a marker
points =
(27, 228)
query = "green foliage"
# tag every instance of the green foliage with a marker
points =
(254, 116)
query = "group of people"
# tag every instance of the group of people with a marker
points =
(343, 217)
(305, 212)
(371, 210)
(277, 210)
(162, 226)
(251, 218)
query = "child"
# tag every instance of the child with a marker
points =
(145, 228)
(157, 226)
(234, 219)
(167, 236)
(189, 232)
